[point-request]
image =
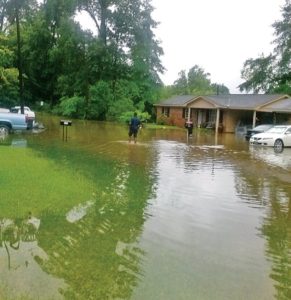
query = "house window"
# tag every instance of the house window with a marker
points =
(166, 111)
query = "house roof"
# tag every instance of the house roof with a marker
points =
(279, 106)
(277, 102)
(181, 100)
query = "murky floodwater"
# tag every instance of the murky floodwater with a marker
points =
(94, 217)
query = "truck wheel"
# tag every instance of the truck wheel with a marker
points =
(4, 129)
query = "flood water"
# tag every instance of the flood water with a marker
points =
(91, 216)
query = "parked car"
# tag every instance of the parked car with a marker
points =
(257, 129)
(278, 136)
(28, 112)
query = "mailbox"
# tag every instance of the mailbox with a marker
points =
(66, 122)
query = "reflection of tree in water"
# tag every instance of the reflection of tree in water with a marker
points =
(277, 229)
(12, 232)
(253, 187)
(96, 255)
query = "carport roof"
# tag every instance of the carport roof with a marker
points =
(234, 101)
(283, 105)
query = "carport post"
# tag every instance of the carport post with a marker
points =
(217, 120)
(254, 118)
(189, 112)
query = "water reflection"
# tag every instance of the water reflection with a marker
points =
(95, 251)
(13, 232)
(269, 186)
(20, 273)
(277, 230)
(280, 158)
(13, 141)
(167, 218)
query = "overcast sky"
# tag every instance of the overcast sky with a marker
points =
(217, 35)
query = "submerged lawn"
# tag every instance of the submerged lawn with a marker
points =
(37, 184)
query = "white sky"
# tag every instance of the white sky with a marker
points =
(217, 35)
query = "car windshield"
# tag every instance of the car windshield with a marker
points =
(277, 129)
(262, 127)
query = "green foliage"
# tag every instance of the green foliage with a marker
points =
(112, 73)
(126, 116)
(100, 97)
(71, 107)
(271, 74)
(8, 75)
(196, 82)
(8, 87)
(119, 107)
(257, 73)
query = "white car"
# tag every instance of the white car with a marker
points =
(278, 136)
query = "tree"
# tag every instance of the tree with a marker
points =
(63, 64)
(8, 74)
(181, 84)
(271, 74)
(197, 82)
(258, 74)
(133, 52)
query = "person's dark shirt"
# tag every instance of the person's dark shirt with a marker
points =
(134, 123)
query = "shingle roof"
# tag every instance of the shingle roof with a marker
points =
(279, 106)
(181, 100)
(232, 101)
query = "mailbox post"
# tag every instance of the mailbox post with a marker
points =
(65, 124)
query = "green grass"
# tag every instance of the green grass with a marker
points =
(156, 126)
(31, 183)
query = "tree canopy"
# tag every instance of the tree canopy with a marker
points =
(272, 73)
(78, 74)
(197, 82)
(73, 71)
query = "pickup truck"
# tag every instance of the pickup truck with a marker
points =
(28, 112)
(11, 121)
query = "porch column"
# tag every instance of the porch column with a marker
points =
(217, 120)
(189, 112)
(254, 118)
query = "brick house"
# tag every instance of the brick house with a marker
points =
(225, 112)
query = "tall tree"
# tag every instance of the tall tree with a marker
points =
(271, 74)
(14, 14)
(8, 74)
(258, 74)
(181, 84)
(197, 81)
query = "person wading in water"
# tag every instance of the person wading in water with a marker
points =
(133, 127)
